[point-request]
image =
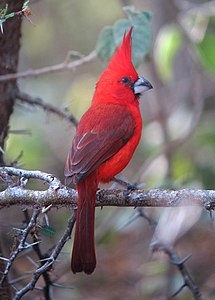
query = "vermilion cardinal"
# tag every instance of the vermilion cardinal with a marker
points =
(106, 138)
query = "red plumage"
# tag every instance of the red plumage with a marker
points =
(106, 138)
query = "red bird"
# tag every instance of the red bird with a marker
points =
(106, 138)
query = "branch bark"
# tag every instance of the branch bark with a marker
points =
(58, 195)
(36, 101)
(65, 65)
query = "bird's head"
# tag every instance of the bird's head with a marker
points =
(120, 82)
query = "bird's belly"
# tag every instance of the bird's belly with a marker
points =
(119, 161)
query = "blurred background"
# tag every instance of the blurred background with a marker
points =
(176, 149)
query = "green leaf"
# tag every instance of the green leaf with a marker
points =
(206, 52)
(25, 4)
(105, 45)
(111, 36)
(10, 15)
(47, 230)
(119, 28)
(132, 12)
(3, 11)
(168, 42)
(142, 38)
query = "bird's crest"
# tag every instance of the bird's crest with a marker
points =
(122, 58)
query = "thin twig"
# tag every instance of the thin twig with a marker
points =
(174, 259)
(23, 236)
(37, 249)
(65, 65)
(49, 262)
(46, 106)
(180, 264)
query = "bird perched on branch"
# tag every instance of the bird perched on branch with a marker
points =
(106, 138)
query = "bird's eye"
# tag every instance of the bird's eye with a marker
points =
(125, 80)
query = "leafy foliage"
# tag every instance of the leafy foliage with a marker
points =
(111, 36)
(4, 15)
(206, 50)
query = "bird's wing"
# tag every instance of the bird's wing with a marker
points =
(101, 132)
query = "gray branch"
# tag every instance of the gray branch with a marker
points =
(50, 260)
(65, 65)
(58, 195)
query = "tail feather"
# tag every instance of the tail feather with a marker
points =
(83, 254)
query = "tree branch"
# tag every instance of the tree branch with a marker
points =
(65, 65)
(46, 106)
(180, 264)
(23, 233)
(59, 195)
(49, 261)
(158, 245)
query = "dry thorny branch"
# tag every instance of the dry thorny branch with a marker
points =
(46, 263)
(57, 195)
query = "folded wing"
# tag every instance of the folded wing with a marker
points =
(91, 147)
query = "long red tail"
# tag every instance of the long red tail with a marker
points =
(83, 254)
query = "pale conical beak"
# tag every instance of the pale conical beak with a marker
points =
(141, 85)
